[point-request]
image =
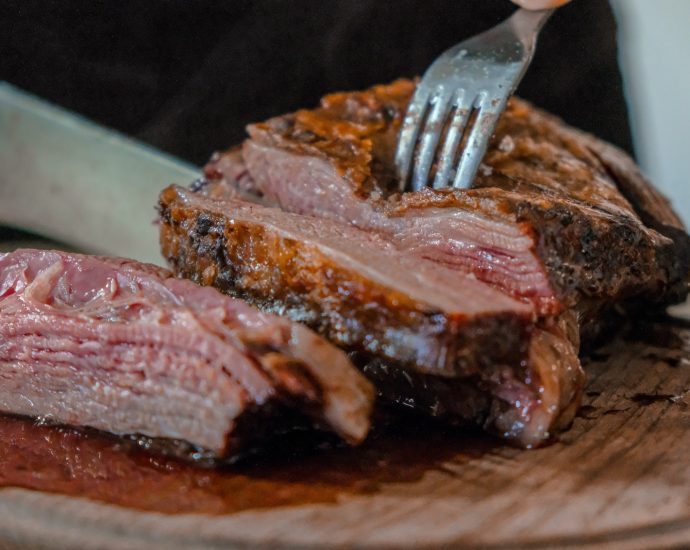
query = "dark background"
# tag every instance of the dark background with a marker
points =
(187, 76)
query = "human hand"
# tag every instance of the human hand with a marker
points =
(540, 4)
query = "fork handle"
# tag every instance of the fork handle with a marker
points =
(527, 23)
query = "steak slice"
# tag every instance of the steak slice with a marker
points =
(354, 286)
(548, 219)
(123, 347)
(556, 220)
(412, 323)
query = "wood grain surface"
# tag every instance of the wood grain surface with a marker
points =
(619, 478)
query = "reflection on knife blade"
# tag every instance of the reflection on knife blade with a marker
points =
(69, 179)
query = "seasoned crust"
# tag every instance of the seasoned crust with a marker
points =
(253, 260)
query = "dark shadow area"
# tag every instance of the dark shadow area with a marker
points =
(188, 76)
(10, 237)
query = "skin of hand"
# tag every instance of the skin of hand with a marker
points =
(540, 4)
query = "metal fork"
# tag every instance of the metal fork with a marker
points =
(471, 81)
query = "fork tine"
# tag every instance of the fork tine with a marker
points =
(478, 141)
(456, 129)
(408, 135)
(441, 105)
(489, 67)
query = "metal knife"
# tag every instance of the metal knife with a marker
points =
(68, 179)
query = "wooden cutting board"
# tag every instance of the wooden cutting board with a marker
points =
(619, 478)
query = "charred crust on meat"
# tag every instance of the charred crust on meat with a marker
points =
(578, 217)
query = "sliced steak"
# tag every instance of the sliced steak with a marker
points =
(123, 347)
(548, 219)
(557, 221)
(424, 324)
(354, 286)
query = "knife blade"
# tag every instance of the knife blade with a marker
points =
(71, 180)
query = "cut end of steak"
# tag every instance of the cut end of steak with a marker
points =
(425, 335)
(465, 304)
(356, 132)
(123, 347)
(353, 286)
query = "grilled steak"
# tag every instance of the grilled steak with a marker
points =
(305, 219)
(123, 347)
(355, 286)
(545, 198)
(408, 319)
